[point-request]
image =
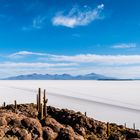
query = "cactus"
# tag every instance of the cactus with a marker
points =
(125, 125)
(45, 105)
(15, 110)
(39, 99)
(15, 104)
(44, 95)
(37, 102)
(41, 112)
(134, 127)
(45, 108)
(4, 104)
(108, 129)
(42, 107)
(85, 113)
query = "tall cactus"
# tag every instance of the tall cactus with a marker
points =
(85, 113)
(15, 105)
(39, 99)
(37, 102)
(42, 107)
(45, 104)
(4, 104)
(134, 127)
(41, 112)
(125, 125)
(108, 129)
(44, 98)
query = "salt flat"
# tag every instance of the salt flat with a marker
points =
(113, 101)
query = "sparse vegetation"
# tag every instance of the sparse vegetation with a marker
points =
(38, 122)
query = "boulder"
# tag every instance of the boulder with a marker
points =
(49, 134)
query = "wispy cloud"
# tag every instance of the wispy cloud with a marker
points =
(124, 46)
(22, 68)
(112, 71)
(99, 59)
(81, 58)
(123, 66)
(25, 53)
(32, 65)
(37, 23)
(76, 17)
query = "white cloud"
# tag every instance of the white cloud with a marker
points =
(25, 53)
(46, 70)
(99, 59)
(42, 68)
(100, 6)
(77, 18)
(123, 66)
(37, 23)
(124, 46)
(111, 71)
(8, 69)
(33, 65)
(81, 58)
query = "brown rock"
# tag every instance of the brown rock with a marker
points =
(33, 126)
(68, 134)
(92, 137)
(52, 123)
(1, 133)
(3, 121)
(134, 139)
(49, 134)
(80, 130)
(9, 138)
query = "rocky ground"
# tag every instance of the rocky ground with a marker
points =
(60, 124)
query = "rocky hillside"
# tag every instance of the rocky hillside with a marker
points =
(22, 123)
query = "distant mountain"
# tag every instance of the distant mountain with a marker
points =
(91, 76)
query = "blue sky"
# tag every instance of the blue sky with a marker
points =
(70, 36)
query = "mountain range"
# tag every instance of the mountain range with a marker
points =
(35, 76)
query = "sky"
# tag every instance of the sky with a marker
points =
(70, 36)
